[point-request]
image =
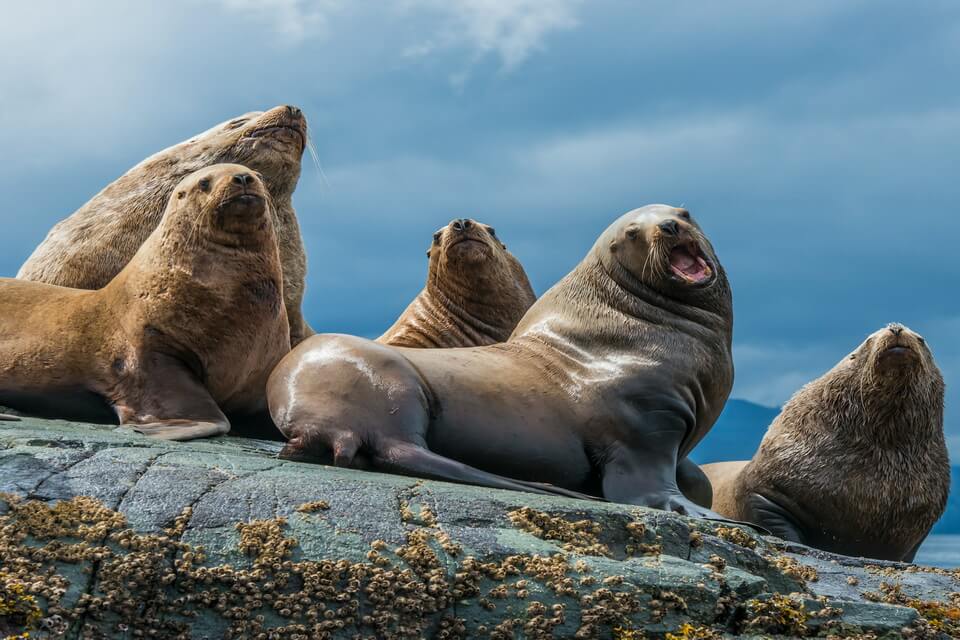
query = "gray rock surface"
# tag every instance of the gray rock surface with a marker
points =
(218, 538)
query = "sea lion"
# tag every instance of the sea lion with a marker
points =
(856, 462)
(187, 331)
(90, 247)
(608, 380)
(476, 292)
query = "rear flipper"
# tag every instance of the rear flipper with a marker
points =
(165, 400)
(410, 459)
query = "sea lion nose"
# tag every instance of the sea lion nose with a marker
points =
(242, 179)
(293, 111)
(670, 227)
(895, 329)
(461, 225)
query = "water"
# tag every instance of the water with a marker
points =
(940, 551)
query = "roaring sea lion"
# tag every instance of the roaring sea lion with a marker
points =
(609, 379)
(475, 295)
(189, 329)
(856, 462)
(87, 249)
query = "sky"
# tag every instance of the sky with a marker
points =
(818, 143)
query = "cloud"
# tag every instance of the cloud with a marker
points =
(293, 20)
(510, 29)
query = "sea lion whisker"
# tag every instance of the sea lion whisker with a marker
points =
(316, 161)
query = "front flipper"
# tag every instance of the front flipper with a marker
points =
(6, 417)
(774, 518)
(164, 399)
(694, 483)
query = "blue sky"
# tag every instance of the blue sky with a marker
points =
(817, 142)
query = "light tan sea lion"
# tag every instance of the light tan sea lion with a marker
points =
(187, 331)
(607, 382)
(856, 462)
(475, 295)
(87, 249)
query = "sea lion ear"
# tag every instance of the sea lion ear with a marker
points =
(181, 195)
(428, 251)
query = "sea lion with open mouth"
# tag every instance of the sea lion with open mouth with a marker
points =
(475, 295)
(87, 249)
(856, 462)
(189, 330)
(608, 381)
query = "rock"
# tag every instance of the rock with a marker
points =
(109, 534)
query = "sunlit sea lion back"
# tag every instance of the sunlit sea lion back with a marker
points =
(856, 463)
(189, 329)
(608, 380)
(475, 295)
(91, 246)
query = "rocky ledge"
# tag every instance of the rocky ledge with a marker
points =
(104, 533)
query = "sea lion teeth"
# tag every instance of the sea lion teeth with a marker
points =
(856, 462)
(603, 387)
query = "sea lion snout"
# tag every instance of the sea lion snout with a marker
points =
(281, 125)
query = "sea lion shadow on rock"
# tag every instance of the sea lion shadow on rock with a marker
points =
(856, 462)
(606, 384)
(88, 248)
(476, 292)
(187, 331)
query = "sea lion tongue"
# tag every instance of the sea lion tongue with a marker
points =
(688, 265)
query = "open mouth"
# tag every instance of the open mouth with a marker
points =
(269, 131)
(689, 264)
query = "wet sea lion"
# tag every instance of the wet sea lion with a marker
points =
(609, 379)
(856, 462)
(90, 247)
(476, 292)
(189, 329)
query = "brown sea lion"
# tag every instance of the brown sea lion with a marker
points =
(189, 329)
(856, 462)
(87, 249)
(610, 378)
(475, 295)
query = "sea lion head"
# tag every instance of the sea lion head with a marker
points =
(271, 142)
(468, 260)
(225, 203)
(662, 248)
(894, 357)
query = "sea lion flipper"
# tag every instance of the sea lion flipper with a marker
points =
(409, 459)
(775, 519)
(165, 400)
(694, 483)
(181, 429)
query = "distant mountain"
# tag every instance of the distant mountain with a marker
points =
(741, 427)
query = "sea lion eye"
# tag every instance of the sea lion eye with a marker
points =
(684, 214)
(632, 233)
(493, 232)
(436, 238)
(205, 184)
(233, 124)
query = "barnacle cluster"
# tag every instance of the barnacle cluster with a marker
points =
(581, 536)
